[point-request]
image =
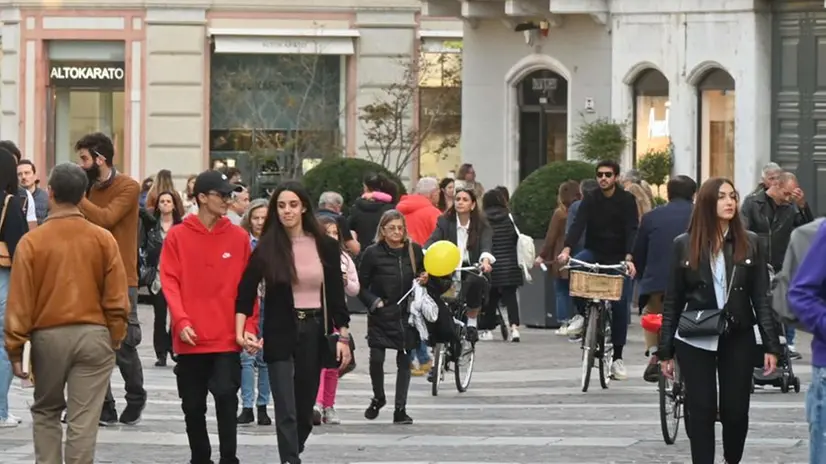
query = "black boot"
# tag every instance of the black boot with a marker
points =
(263, 418)
(246, 417)
(400, 417)
(161, 360)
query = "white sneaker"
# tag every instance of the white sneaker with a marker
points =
(486, 335)
(515, 335)
(562, 330)
(15, 418)
(575, 326)
(8, 423)
(618, 371)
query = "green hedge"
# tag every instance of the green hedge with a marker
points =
(534, 201)
(344, 175)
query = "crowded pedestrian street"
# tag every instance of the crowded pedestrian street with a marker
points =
(524, 405)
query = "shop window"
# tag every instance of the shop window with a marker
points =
(543, 120)
(440, 112)
(715, 109)
(280, 109)
(651, 113)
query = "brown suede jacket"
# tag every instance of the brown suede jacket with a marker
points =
(113, 205)
(67, 271)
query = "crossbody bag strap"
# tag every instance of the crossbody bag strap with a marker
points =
(5, 208)
(324, 300)
(514, 224)
(412, 258)
(730, 284)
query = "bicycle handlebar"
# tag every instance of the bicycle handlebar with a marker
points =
(573, 262)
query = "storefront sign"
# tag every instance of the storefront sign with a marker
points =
(91, 75)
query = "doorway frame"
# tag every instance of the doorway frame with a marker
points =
(520, 70)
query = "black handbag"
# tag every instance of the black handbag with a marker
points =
(329, 354)
(705, 322)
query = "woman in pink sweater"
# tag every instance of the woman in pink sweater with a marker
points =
(324, 411)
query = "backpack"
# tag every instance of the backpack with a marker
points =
(525, 251)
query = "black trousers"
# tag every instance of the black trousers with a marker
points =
(733, 362)
(474, 290)
(505, 296)
(161, 339)
(294, 385)
(377, 356)
(219, 374)
(129, 363)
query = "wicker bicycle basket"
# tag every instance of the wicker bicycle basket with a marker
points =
(596, 286)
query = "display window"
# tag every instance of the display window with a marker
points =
(440, 111)
(716, 105)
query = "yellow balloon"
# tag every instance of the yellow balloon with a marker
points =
(442, 258)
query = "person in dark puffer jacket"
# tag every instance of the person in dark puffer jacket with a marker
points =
(367, 210)
(506, 276)
(386, 273)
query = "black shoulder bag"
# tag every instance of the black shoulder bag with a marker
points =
(706, 322)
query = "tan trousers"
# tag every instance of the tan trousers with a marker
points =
(653, 306)
(79, 359)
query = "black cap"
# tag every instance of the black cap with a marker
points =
(214, 181)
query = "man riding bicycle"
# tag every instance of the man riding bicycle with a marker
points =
(609, 219)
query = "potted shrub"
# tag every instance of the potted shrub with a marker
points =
(601, 139)
(533, 203)
(655, 167)
(345, 175)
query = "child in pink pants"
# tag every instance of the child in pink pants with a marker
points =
(324, 410)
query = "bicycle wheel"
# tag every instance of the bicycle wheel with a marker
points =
(438, 368)
(503, 324)
(606, 349)
(669, 409)
(464, 358)
(589, 346)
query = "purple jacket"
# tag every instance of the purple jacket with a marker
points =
(807, 295)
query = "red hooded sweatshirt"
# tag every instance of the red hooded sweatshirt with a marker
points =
(200, 270)
(420, 216)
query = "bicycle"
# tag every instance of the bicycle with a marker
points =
(453, 352)
(600, 290)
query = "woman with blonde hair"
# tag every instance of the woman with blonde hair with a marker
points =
(386, 273)
(187, 197)
(642, 199)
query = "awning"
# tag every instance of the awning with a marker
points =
(284, 41)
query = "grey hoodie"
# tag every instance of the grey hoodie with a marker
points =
(799, 243)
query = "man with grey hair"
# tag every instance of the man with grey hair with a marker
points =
(239, 205)
(330, 204)
(74, 314)
(770, 174)
(631, 176)
(420, 210)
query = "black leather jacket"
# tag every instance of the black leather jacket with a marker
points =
(773, 224)
(690, 289)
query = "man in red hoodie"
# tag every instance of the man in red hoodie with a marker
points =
(420, 211)
(202, 260)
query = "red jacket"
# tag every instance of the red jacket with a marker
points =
(200, 270)
(420, 215)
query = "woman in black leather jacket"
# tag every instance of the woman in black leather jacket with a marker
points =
(386, 273)
(166, 214)
(717, 264)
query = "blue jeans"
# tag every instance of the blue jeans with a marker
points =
(816, 415)
(620, 310)
(562, 288)
(790, 335)
(420, 353)
(5, 366)
(248, 365)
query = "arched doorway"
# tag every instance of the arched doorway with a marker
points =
(715, 120)
(543, 120)
(651, 113)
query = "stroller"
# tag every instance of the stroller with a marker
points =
(783, 377)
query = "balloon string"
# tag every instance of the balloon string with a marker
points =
(405, 295)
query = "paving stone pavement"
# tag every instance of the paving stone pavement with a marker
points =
(524, 406)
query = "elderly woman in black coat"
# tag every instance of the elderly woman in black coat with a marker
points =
(386, 273)
(506, 276)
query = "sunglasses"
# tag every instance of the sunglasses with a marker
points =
(606, 175)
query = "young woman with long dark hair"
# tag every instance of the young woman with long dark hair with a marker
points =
(12, 227)
(166, 214)
(464, 225)
(718, 265)
(446, 192)
(301, 270)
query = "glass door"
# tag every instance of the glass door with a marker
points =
(77, 112)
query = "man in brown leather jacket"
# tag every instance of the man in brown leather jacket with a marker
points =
(68, 296)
